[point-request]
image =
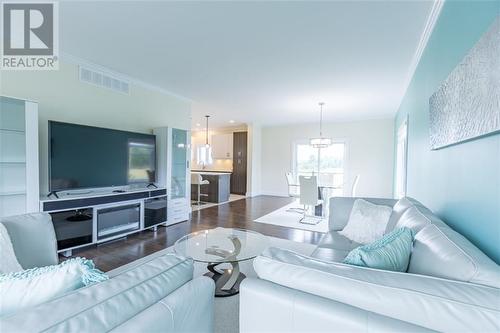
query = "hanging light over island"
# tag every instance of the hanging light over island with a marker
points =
(204, 153)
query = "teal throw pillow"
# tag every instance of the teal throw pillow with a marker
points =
(391, 252)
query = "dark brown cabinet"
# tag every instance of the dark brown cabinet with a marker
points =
(239, 175)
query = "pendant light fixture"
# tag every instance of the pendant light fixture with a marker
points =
(207, 145)
(320, 142)
(204, 152)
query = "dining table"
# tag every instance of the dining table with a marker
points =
(322, 188)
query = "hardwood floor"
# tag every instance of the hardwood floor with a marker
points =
(236, 214)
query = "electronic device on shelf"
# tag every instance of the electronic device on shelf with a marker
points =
(79, 216)
(83, 157)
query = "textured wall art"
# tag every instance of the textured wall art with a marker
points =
(467, 104)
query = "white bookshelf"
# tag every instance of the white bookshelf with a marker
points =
(19, 185)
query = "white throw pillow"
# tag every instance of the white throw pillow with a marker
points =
(8, 260)
(35, 286)
(367, 222)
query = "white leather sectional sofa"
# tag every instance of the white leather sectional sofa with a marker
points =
(450, 286)
(153, 295)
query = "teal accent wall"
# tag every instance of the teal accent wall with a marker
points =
(461, 183)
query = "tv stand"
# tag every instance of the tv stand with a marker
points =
(82, 220)
(151, 185)
(52, 193)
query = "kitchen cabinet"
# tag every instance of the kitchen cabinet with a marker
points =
(222, 146)
(239, 175)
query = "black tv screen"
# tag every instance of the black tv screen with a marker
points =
(90, 157)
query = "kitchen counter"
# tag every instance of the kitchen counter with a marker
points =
(203, 172)
(217, 190)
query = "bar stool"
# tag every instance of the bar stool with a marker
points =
(196, 179)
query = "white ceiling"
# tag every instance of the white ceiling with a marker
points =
(266, 62)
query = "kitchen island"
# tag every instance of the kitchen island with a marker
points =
(219, 188)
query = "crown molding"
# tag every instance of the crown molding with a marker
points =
(239, 128)
(424, 39)
(69, 58)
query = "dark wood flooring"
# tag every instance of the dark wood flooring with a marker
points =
(236, 214)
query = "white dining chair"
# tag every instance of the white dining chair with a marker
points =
(309, 197)
(293, 192)
(197, 179)
(354, 186)
(293, 187)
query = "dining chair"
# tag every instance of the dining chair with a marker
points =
(197, 179)
(293, 192)
(309, 197)
(354, 186)
(293, 188)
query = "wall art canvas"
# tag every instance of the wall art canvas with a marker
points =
(467, 104)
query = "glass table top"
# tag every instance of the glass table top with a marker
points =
(222, 245)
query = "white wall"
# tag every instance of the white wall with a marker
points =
(254, 160)
(61, 96)
(370, 153)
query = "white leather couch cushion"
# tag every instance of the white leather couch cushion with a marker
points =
(8, 260)
(33, 239)
(433, 303)
(414, 219)
(397, 211)
(334, 247)
(442, 252)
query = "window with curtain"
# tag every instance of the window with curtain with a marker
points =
(326, 163)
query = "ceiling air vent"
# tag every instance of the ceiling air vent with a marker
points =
(104, 80)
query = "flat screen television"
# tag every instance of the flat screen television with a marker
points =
(82, 157)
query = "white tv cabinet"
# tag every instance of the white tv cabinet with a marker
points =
(103, 215)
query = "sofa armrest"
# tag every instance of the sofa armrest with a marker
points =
(433, 303)
(188, 309)
(340, 209)
(268, 307)
(108, 304)
(33, 239)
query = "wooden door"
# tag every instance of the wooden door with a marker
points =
(239, 175)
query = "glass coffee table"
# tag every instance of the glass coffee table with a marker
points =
(223, 246)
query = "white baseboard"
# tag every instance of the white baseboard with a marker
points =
(274, 194)
(252, 194)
